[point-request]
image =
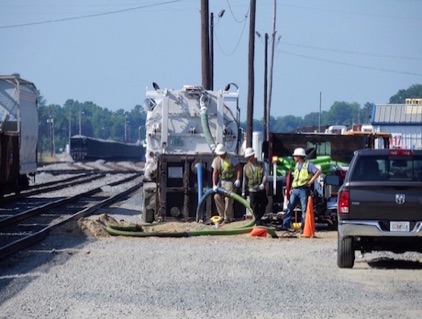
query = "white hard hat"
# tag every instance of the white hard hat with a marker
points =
(220, 149)
(299, 152)
(249, 152)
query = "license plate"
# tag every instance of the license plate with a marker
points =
(400, 226)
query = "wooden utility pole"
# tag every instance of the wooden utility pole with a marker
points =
(319, 117)
(271, 67)
(205, 45)
(251, 74)
(266, 124)
(211, 64)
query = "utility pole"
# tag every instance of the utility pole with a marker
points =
(211, 65)
(70, 124)
(50, 122)
(272, 66)
(266, 117)
(80, 121)
(126, 129)
(251, 74)
(212, 51)
(205, 45)
(319, 118)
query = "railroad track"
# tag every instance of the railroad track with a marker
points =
(77, 167)
(21, 228)
(86, 177)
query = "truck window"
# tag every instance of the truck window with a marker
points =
(406, 169)
(385, 168)
(401, 169)
(417, 169)
(367, 169)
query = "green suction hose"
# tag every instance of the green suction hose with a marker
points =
(136, 231)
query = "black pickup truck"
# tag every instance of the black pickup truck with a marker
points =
(380, 204)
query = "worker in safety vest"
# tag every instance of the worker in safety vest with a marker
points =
(254, 178)
(304, 176)
(227, 173)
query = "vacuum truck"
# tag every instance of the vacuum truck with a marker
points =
(183, 127)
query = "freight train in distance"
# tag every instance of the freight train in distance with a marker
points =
(83, 148)
(18, 133)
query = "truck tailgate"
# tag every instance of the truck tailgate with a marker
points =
(402, 201)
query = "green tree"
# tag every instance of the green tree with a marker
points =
(414, 91)
(343, 113)
(48, 118)
(136, 124)
(129, 126)
(366, 113)
(287, 123)
(311, 119)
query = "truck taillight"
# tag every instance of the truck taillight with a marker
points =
(343, 202)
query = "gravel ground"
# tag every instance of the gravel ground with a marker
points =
(72, 274)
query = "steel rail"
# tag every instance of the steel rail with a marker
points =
(31, 239)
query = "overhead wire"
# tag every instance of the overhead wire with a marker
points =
(241, 33)
(89, 15)
(234, 17)
(347, 52)
(240, 37)
(350, 51)
(353, 52)
(374, 15)
(349, 64)
(237, 44)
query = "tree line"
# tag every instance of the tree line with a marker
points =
(58, 123)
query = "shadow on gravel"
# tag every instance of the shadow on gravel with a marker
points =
(20, 269)
(391, 263)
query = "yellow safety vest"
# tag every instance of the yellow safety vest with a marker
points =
(254, 176)
(302, 176)
(225, 167)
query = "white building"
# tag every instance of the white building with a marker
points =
(403, 121)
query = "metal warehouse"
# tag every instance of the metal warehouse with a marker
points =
(402, 121)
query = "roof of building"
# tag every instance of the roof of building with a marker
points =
(410, 114)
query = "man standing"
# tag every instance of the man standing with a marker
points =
(304, 176)
(227, 172)
(254, 178)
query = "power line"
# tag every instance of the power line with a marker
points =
(349, 64)
(231, 12)
(245, 19)
(353, 52)
(89, 15)
(237, 44)
(375, 15)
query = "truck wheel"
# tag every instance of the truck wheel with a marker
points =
(345, 252)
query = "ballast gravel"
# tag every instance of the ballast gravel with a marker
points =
(200, 277)
(74, 275)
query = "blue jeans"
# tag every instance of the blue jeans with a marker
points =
(297, 195)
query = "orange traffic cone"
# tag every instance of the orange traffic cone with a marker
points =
(311, 203)
(309, 230)
(259, 232)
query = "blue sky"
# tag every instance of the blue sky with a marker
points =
(109, 51)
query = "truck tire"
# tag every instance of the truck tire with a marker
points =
(345, 252)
